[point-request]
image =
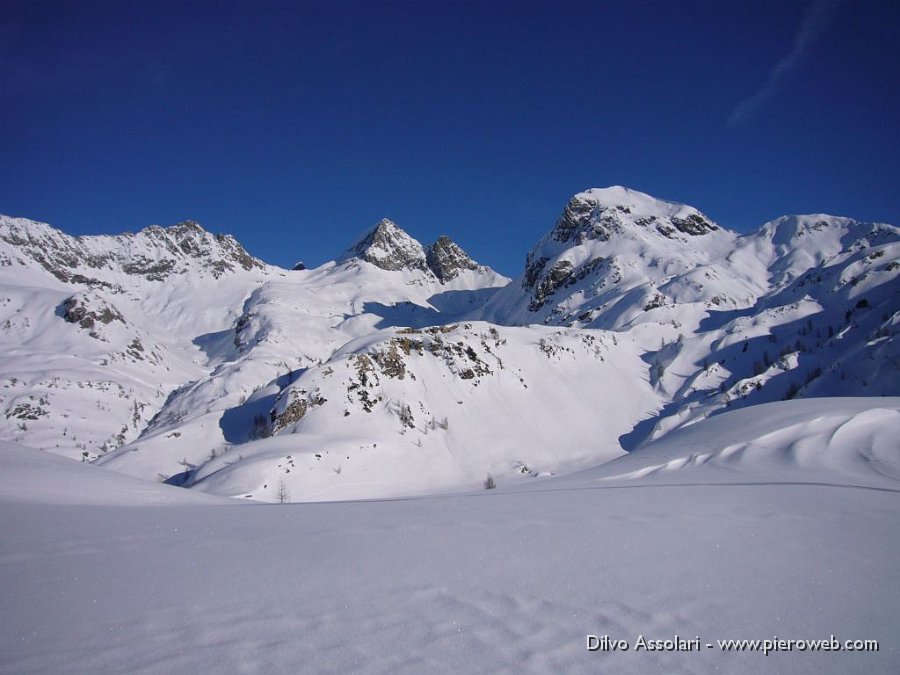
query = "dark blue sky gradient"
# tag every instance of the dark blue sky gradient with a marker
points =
(297, 125)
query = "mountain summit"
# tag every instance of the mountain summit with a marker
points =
(600, 213)
(391, 248)
(610, 240)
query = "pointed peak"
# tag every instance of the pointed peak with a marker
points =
(389, 247)
(444, 240)
(383, 229)
(385, 225)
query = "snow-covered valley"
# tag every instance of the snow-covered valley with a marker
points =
(682, 430)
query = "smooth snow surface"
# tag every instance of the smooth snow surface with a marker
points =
(36, 477)
(503, 581)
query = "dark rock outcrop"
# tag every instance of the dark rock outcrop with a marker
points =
(446, 259)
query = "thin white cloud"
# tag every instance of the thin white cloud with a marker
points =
(815, 21)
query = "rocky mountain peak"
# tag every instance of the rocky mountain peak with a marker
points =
(446, 259)
(389, 247)
(154, 253)
(604, 236)
(186, 228)
(219, 252)
(599, 213)
(188, 225)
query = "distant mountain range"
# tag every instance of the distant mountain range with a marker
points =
(398, 368)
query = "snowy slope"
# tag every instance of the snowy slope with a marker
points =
(835, 440)
(826, 327)
(412, 410)
(96, 331)
(504, 581)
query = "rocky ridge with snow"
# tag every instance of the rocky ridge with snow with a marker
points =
(389, 248)
(154, 253)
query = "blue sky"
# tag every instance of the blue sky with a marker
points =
(297, 125)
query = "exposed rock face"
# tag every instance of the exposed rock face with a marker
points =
(561, 274)
(391, 363)
(534, 267)
(218, 253)
(446, 260)
(56, 252)
(74, 311)
(87, 311)
(694, 225)
(292, 408)
(582, 219)
(390, 248)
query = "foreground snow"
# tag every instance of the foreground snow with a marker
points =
(777, 539)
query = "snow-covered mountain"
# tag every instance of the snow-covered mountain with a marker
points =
(615, 254)
(103, 336)
(172, 354)
(805, 306)
(97, 331)
(155, 253)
